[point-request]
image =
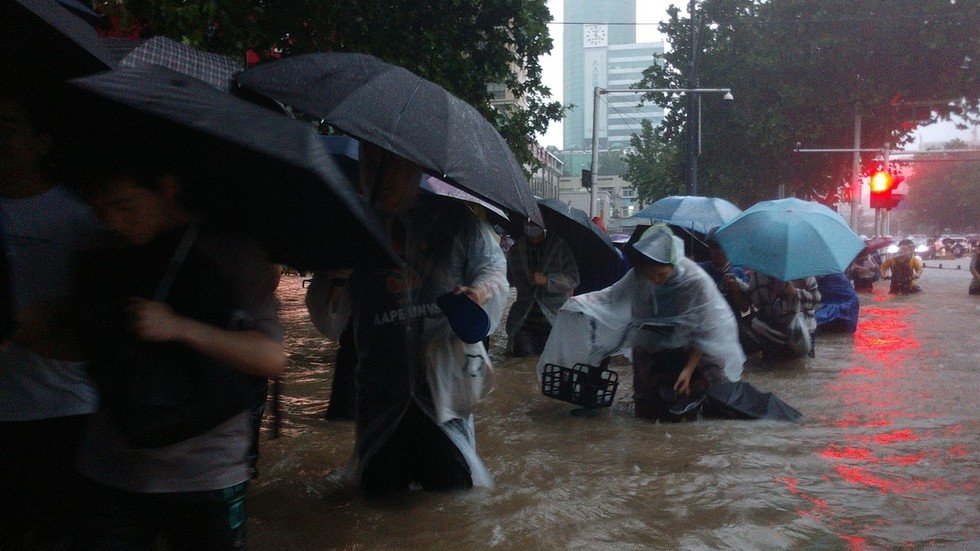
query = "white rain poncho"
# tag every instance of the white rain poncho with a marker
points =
(687, 310)
(407, 351)
(558, 263)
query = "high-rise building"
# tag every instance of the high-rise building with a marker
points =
(603, 52)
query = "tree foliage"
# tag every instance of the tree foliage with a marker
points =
(459, 44)
(946, 194)
(798, 69)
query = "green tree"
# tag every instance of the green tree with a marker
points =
(653, 164)
(946, 194)
(461, 45)
(798, 69)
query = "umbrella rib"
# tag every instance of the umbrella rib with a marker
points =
(405, 107)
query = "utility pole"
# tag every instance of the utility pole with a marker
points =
(594, 167)
(693, 109)
(856, 172)
(886, 215)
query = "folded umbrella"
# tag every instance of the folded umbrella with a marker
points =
(45, 43)
(789, 239)
(214, 69)
(695, 213)
(243, 167)
(403, 113)
(741, 400)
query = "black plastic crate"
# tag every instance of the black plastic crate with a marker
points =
(583, 385)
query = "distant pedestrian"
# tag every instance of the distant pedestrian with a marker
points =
(863, 271)
(784, 314)
(975, 270)
(839, 305)
(904, 269)
(542, 268)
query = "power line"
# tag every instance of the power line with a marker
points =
(629, 115)
(761, 21)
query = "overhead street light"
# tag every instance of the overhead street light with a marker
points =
(598, 92)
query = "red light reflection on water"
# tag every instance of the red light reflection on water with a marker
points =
(882, 333)
(855, 543)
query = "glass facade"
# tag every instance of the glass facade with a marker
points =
(603, 53)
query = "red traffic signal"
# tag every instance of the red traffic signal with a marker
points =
(882, 183)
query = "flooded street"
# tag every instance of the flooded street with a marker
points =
(887, 457)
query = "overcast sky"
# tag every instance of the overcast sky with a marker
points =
(652, 12)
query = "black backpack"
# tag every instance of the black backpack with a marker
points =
(162, 393)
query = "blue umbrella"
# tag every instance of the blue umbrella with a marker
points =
(789, 239)
(699, 214)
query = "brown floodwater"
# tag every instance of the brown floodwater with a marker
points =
(887, 457)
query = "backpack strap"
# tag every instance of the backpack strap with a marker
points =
(183, 249)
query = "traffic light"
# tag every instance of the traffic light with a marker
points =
(882, 184)
(586, 178)
(896, 197)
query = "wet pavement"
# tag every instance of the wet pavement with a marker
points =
(888, 456)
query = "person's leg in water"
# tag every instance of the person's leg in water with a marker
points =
(533, 334)
(418, 452)
(654, 374)
(117, 519)
(342, 389)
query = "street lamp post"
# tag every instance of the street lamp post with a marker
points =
(598, 92)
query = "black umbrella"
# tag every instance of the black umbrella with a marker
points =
(741, 400)
(246, 169)
(599, 263)
(42, 42)
(214, 69)
(399, 111)
(81, 9)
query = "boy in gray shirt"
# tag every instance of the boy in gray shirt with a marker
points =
(184, 333)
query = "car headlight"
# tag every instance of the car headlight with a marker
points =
(892, 249)
(922, 248)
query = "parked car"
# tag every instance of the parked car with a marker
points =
(956, 245)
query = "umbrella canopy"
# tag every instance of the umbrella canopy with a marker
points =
(437, 186)
(81, 9)
(345, 153)
(695, 213)
(789, 239)
(45, 43)
(403, 113)
(246, 169)
(876, 243)
(598, 259)
(214, 69)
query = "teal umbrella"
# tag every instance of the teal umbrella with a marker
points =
(789, 239)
